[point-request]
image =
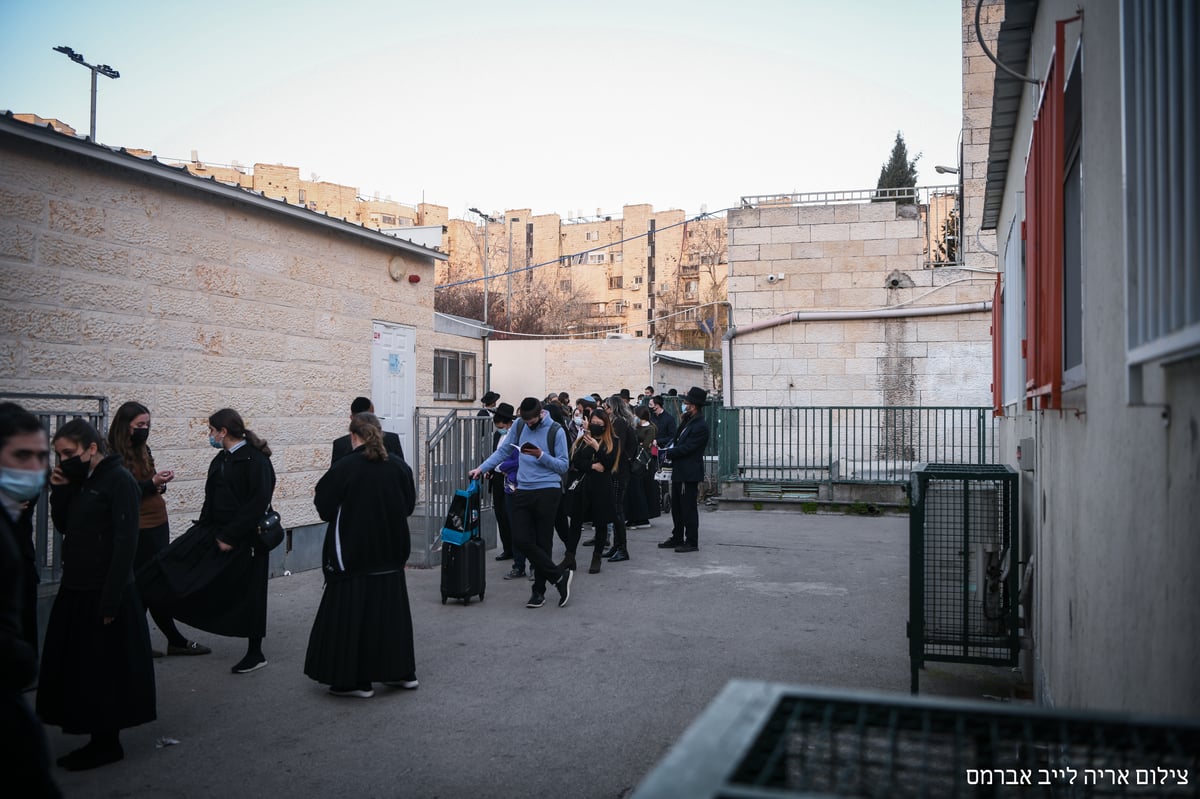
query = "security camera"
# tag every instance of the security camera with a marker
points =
(772, 278)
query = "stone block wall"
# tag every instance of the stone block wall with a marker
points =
(978, 74)
(850, 257)
(118, 284)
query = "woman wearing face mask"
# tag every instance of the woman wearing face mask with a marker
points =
(212, 577)
(127, 436)
(594, 457)
(96, 675)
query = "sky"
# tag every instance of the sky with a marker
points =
(559, 107)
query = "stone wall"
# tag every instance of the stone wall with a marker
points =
(850, 257)
(119, 284)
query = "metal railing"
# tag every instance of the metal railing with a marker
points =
(55, 410)
(937, 211)
(451, 442)
(864, 444)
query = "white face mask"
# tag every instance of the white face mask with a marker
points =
(22, 484)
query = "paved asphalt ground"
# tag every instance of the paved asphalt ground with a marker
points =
(580, 701)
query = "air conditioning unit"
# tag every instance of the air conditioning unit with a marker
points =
(635, 287)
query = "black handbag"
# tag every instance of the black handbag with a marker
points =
(270, 530)
(573, 483)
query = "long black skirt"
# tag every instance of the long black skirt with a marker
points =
(363, 632)
(224, 593)
(96, 677)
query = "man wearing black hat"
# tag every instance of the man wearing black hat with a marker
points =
(488, 400)
(686, 455)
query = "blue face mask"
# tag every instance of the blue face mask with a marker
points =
(214, 443)
(22, 484)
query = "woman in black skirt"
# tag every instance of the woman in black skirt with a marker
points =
(96, 676)
(213, 577)
(363, 631)
(127, 436)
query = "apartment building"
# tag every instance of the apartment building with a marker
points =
(654, 275)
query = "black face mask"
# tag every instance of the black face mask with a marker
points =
(74, 469)
(533, 424)
(138, 436)
(596, 430)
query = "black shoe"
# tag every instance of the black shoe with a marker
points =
(514, 574)
(564, 588)
(536, 600)
(618, 556)
(614, 550)
(92, 756)
(504, 556)
(249, 663)
(687, 548)
(671, 543)
(591, 542)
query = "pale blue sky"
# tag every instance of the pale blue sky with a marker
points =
(554, 106)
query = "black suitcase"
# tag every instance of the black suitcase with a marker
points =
(463, 563)
(463, 570)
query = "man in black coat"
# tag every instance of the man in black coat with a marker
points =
(341, 446)
(686, 456)
(664, 423)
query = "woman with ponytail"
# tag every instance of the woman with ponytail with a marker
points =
(363, 630)
(213, 577)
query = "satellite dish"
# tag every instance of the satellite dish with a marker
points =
(704, 208)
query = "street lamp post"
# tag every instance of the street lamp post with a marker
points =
(101, 69)
(487, 367)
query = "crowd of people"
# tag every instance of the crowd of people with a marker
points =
(555, 467)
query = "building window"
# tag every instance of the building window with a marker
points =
(1161, 115)
(637, 280)
(302, 199)
(637, 306)
(564, 261)
(1073, 227)
(618, 257)
(599, 308)
(595, 258)
(564, 286)
(593, 235)
(453, 375)
(616, 282)
(388, 219)
(708, 260)
(638, 333)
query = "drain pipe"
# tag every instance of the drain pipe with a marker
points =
(832, 316)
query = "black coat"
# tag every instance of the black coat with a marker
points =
(628, 439)
(686, 452)
(593, 500)
(342, 446)
(18, 655)
(237, 493)
(20, 589)
(98, 518)
(220, 592)
(664, 423)
(367, 504)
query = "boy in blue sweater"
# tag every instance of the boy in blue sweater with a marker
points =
(534, 505)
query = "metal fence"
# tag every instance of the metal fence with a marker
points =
(764, 740)
(857, 444)
(450, 442)
(55, 410)
(936, 209)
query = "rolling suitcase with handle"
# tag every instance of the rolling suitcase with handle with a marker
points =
(463, 563)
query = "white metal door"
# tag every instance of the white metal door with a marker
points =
(393, 379)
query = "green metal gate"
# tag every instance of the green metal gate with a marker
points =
(963, 559)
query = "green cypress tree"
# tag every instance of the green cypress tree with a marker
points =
(898, 172)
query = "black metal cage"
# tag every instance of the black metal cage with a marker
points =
(767, 740)
(963, 561)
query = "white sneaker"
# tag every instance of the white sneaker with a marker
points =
(408, 685)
